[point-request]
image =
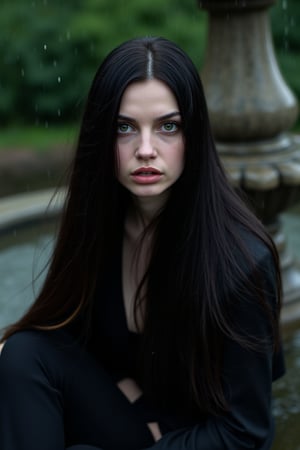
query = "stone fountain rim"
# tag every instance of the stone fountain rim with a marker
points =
(20, 210)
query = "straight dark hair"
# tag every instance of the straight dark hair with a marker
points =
(195, 267)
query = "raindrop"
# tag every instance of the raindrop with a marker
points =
(68, 35)
(45, 47)
(59, 112)
(59, 79)
(284, 4)
(46, 124)
(54, 63)
(22, 72)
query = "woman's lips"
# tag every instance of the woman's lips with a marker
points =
(146, 175)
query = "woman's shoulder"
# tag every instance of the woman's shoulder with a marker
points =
(29, 338)
(258, 247)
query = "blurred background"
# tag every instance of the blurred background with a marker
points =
(49, 52)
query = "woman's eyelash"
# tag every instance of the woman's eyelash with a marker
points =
(126, 127)
(173, 125)
(169, 126)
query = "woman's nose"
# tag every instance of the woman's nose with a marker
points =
(146, 148)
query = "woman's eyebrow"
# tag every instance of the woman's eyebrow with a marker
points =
(163, 117)
(169, 116)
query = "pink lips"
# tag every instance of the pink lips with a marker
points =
(146, 175)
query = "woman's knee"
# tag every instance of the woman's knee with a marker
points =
(24, 353)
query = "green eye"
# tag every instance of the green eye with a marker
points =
(124, 128)
(170, 127)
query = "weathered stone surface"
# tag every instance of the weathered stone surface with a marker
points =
(247, 96)
(251, 110)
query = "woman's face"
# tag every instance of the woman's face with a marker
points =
(150, 142)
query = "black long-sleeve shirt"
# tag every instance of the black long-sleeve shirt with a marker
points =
(39, 384)
(247, 374)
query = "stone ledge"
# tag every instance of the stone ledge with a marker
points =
(21, 209)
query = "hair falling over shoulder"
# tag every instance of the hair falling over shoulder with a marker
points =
(208, 247)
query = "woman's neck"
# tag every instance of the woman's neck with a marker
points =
(142, 211)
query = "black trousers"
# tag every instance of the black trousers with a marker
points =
(54, 395)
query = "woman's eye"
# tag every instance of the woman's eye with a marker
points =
(170, 127)
(124, 128)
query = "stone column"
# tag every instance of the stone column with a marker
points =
(252, 110)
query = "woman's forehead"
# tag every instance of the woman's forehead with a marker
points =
(148, 96)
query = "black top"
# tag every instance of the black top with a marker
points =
(52, 392)
(247, 375)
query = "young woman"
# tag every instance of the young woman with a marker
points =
(158, 323)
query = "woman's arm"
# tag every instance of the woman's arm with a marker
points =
(247, 378)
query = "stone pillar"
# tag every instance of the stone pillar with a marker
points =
(252, 110)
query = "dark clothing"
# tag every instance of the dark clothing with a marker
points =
(55, 394)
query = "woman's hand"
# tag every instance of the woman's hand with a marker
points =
(132, 392)
(155, 431)
(130, 389)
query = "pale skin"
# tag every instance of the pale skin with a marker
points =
(149, 136)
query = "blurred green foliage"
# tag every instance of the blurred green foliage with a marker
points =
(49, 49)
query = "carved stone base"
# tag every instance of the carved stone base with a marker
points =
(268, 172)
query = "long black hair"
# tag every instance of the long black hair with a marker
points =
(200, 236)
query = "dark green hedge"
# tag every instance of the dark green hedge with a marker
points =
(49, 49)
